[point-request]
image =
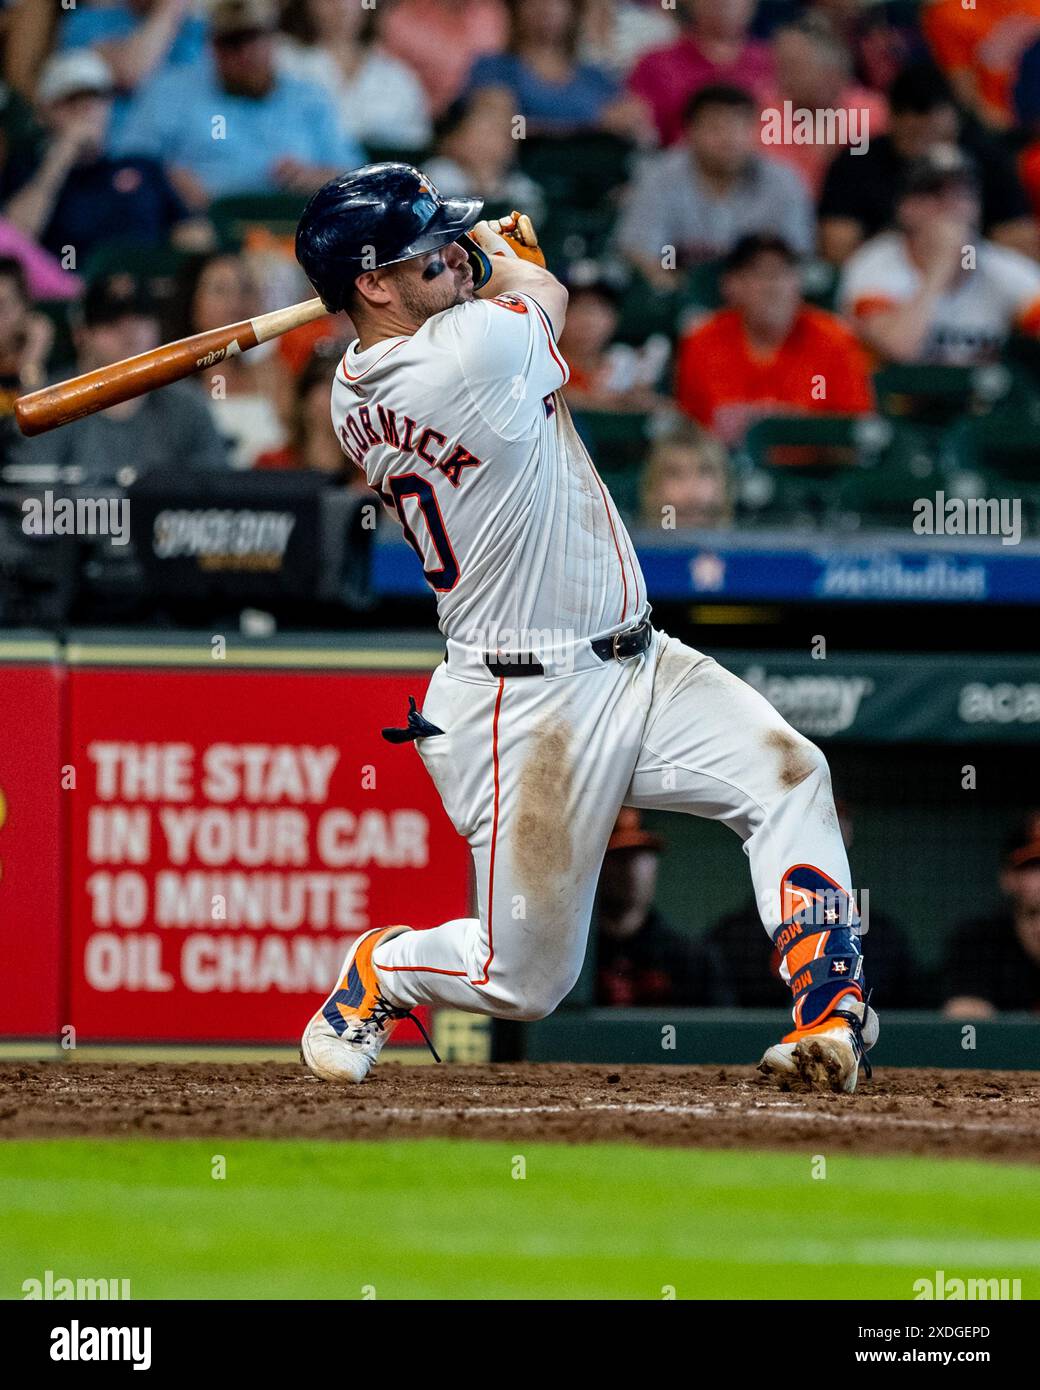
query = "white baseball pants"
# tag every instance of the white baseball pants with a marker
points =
(532, 770)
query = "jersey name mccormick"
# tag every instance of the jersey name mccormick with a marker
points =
(371, 424)
(492, 488)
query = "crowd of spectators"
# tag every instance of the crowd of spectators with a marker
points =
(811, 190)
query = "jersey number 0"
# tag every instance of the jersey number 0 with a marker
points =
(412, 485)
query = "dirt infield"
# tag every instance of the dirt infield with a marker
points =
(957, 1114)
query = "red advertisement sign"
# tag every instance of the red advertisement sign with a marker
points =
(31, 961)
(231, 832)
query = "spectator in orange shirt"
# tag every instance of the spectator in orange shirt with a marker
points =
(979, 48)
(769, 353)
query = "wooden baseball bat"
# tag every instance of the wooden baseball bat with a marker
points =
(83, 395)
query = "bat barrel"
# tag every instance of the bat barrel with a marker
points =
(66, 401)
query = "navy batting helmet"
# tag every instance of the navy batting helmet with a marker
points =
(376, 216)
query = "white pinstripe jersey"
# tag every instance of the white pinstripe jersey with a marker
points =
(459, 429)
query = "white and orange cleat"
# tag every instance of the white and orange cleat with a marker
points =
(829, 1054)
(343, 1040)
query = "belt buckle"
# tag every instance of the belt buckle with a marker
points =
(614, 641)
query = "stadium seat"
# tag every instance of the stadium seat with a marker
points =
(570, 233)
(577, 171)
(820, 285)
(882, 489)
(702, 289)
(233, 216)
(997, 455)
(934, 396)
(645, 310)
(148, 262)
(617, 441)
(394, 154)
(1004, 442)
(623, 485)
(157, 266)
(847, 470)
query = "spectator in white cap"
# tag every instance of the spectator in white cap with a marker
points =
(74, 195)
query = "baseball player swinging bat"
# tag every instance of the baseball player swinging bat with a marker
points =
(558, 701)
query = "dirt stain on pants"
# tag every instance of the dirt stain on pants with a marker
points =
(542, 846)
(797, 760)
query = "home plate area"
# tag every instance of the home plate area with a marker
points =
(991, 1114)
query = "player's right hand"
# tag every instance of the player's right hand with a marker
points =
(518, 230)
(490, 241)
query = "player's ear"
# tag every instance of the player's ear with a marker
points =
(373, 287)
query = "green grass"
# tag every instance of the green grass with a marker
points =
(436, 1219)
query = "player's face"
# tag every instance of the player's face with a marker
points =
(429, 284)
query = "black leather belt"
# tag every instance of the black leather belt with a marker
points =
(622, 646)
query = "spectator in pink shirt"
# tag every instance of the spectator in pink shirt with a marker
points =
(714, 48)
(814, 73)
(439, 39)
